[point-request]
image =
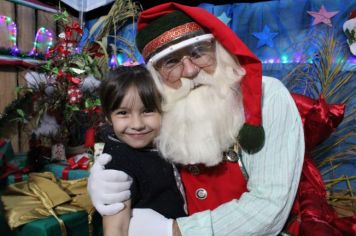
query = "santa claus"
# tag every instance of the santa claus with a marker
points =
(236, 137)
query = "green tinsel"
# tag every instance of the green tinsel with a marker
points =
(23, 55)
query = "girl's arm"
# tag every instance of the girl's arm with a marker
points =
(118, 224)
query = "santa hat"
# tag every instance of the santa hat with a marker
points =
(170, 24)
(350, 31)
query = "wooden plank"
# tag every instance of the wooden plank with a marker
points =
(26, 20)
(26, 28)
(24, 133)
(10, 77)
(6, 9)
(8, 74)
(8, 85)
(35, 5)
(46, 20)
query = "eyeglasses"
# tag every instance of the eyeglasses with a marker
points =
(201, 54)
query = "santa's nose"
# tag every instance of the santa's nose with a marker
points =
(190, 70)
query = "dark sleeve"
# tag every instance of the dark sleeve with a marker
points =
(121, 160)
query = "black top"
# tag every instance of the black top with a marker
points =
(154, 185)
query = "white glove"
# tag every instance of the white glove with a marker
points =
(108, 189)
(145, 221)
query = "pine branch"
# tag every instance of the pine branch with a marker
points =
(15, 114)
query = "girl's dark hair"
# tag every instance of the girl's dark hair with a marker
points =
(117, 82)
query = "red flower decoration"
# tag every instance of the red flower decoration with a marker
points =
(74, 95)
(74, 80)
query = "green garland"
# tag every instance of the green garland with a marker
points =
(24, 55)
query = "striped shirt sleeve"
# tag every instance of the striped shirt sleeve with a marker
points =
(274, 175)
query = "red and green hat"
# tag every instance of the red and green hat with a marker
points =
(169, 24)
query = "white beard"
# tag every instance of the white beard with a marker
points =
(199, 125)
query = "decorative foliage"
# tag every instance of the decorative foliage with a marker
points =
(63, 96)
(104, 33)
(327, 73)
(330, 76)
(14, 114)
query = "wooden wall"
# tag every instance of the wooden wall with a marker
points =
(28, 20)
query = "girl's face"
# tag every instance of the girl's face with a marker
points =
(133, 123)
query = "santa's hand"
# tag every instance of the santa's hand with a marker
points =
(148, 222)
(108, 189)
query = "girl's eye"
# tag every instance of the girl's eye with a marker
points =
(149, 111)
(121, 113)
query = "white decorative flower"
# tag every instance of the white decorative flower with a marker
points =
(74, 95)
(89, 83)
(350, 24)
(353, 48)
(62, 35)
(49, 90)
(48, 126)
(34, 79)
(349, 28)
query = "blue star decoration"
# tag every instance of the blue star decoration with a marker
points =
(224, 18)
(265, 37)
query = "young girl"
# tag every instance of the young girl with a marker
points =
(132, 105)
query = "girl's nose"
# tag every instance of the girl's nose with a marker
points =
(137, 122)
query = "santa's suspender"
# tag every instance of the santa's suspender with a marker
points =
(180, 186)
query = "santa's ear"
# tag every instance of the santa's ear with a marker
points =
(240, 71)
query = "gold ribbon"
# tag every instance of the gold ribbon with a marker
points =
(42, 196)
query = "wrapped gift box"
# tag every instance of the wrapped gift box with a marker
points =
(76, 225)
(19, 160)
(59, 170)
(14, 178)
(6, 151)
(4, 227)
(14, 167)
